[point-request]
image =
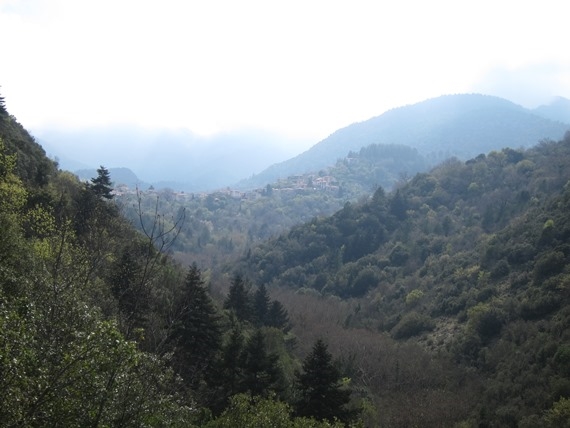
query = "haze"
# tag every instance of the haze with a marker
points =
(299, 70)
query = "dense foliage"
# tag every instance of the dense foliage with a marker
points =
(441, 303)
(470, 260)
(99, 327)
(223, 224)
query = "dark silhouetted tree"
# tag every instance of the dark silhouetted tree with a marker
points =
(261, 304)
(130, 291)
(196, 332)
(227, 377)
(398, 205)
(238, 300)
(322, 394)
(277, 316)
(102, 185)
(261, 373)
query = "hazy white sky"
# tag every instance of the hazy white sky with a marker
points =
(302, 68)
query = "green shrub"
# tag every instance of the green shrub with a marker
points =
(412, 324)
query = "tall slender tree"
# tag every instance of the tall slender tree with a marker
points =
(102, 185)
(197, 332)
(321, 393)
(261, 373)
(277, 316)
(261, 302)
(238, 299)
(228, 374)
(131, 292)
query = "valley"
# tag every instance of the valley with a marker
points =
(411, 290)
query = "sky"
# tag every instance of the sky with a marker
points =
(302, 69)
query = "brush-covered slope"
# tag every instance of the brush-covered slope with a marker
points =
(452, 125)
(67, 353)
(32, 165)
(471, 259)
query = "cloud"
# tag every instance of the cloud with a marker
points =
(294, 67)
(529, 85)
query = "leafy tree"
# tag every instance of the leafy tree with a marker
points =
(559, 415)
(13, 251)
(238, 300)
(102, 185)
(321, 392)
(257, 412)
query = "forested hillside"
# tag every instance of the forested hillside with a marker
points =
(98, 326)
(470, 260)
(221, 225)
(463, 126)
(442, 303)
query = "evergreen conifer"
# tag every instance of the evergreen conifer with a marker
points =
(322, 394)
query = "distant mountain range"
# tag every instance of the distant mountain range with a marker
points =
(452, 125)
(168, 158)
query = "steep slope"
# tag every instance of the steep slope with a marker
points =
(99, 328)
(66, 355)
(32, 165)
(451, 125)
(471, 259)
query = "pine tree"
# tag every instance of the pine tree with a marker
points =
(321, 393)
(261, 303)
(227, 377)
(277, 316)
(132, 295)
(102, 185)
(238, 299)
(197, 332)
(261, 374)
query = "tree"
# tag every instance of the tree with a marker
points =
(196, 331)
(247, 412)
(130, 290)
(261, 374)
(277, 316)
(2, 106)
(398, 205)
(238, 299)
(102, 185)
(228, 373)
(559, 415)
(261, 303)
(322, 394)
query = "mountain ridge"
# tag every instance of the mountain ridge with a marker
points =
(434, 127)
